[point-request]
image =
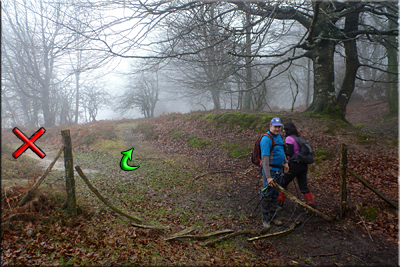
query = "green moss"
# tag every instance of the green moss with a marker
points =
(195, 142)
(197, 116)
(360, 125)
(322, 155)
(109, 145)
(240, 153)
(370, 213)
(331, 128)
(320, 152)
(364, 139)
(176, 135)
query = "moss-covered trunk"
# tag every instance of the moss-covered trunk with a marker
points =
(324, 77)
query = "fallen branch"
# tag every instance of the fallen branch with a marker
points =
(155, 227)
(29, 194)
(204, 236)
(291, 227)
(184, 232)
(370, 187)
(8, 202)
(304, 205)
(241, 232)
(105, 201)
(357, 208)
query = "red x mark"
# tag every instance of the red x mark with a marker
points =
(29, 143)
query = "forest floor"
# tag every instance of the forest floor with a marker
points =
(195, 171)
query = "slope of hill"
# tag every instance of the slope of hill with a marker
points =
(195, 171)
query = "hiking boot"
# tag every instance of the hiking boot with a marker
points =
(277, 222)
(309, 199)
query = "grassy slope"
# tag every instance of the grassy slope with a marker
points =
(171, 187)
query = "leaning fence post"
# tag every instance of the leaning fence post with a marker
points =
(70, 204)
(343, 191)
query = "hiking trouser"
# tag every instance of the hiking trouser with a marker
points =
(269, 202)
(299, 170)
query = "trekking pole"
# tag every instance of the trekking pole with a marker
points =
(264, 189)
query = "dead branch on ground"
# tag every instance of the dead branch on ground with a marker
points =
(252, 232)
(29, 195)
(291, 227)
(370, 187)
(136, 219)
(204, 236)
(304, 205)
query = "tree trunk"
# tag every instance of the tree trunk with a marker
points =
(215, 97)
(247, 94)
(47, 114)
(308, 82)
(393, 90)
(77, 96)
(324, 78)
(352, 63)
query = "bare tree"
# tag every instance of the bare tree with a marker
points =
(94, 98)
(31, 49)
(141, 93)
(324, 25)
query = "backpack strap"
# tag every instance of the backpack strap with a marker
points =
(272, 140)
(272, 147)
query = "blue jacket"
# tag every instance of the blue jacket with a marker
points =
(278, 154)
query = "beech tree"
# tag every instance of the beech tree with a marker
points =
(31, 48)
(141, 93)
(328, 24)
(324, 26)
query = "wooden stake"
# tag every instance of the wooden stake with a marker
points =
(70, 204)
(343, 192)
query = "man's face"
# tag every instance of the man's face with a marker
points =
(275, 129)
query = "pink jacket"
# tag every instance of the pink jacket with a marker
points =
(291, 141)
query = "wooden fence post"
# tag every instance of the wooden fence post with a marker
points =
(70, 204)
(343, 191)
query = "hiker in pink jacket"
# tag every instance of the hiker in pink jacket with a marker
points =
(296, 169)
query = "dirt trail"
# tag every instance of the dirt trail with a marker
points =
(50, 155)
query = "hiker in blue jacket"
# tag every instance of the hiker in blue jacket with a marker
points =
(272, 164)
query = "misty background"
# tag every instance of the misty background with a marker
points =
(69, 62)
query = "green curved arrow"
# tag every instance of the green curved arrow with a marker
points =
(124, 161)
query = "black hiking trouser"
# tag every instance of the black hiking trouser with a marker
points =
(269, 200)
(299, 170)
